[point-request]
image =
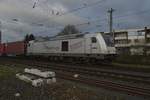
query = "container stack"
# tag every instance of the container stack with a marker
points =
(37, 77)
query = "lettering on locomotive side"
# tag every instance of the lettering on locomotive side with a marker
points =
(52, 48)
(76, 45)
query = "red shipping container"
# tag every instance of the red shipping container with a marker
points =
(2, 49)
(15, 48)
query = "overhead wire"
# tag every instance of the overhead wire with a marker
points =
(115, 17)
(133, 13)
(104, 19)
(93, 21)
(83, 7)
(75, 10)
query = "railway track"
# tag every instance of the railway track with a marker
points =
(66, 72)
(131, 90)
(97, 72)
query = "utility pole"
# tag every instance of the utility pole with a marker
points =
(111, 20)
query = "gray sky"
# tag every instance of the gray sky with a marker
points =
(18, 17)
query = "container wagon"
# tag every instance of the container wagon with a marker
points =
(2, 49)
(15, 48)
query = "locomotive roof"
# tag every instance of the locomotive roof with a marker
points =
(72, 36)
(63, 37)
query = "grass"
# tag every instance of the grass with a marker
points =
(134, 62)
(138, 60)
(6, 71)
(129, 65)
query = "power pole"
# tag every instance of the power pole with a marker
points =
(111, 20)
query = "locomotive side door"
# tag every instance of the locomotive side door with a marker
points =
(92, 45)
(88, 45)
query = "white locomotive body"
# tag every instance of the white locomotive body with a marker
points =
(76, 45)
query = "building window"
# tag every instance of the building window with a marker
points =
(64, 46)
(139, 33)
(129, 41)
(136, 40)
(28, 45)
(93, 39)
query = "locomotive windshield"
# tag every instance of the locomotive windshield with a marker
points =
(108, 39)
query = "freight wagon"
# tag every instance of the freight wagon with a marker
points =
(15, 48)
(2, 49)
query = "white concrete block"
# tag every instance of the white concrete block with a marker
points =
(49, 81)
(37, 82)
(54, 80)
(45, 74)
(30, 79)
(23, 77)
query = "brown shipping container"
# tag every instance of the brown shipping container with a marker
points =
(15, 48)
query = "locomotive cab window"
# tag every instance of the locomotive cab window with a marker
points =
(28, 45)
(93, 39)
(64, 46)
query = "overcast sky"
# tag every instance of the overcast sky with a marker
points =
(48, 17)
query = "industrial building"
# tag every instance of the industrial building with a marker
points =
(132, 41)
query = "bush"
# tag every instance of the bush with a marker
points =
(133, 59)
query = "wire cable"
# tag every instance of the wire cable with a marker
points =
(83, 7)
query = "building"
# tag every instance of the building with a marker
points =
(132, 41)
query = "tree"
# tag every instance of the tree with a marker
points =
(26, 39)
(29, 37)
(69, 29)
